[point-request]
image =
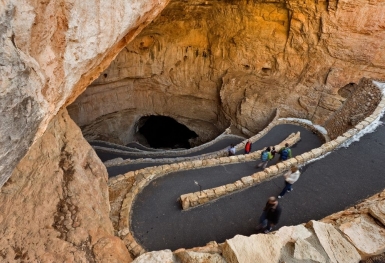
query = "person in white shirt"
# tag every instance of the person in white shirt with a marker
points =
(231, 150)
(290, 178)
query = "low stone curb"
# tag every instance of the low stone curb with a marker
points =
(114, 146)
(194, 199)
(147, 156)
(152, 150)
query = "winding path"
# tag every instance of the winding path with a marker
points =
(157, 221)
(331, 184)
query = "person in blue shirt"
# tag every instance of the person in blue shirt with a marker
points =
(266, 156)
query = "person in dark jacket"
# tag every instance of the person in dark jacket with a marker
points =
(270, 215)
(273, 152)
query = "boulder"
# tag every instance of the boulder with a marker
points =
(377, 210)
(256, 248)
(366, 235)
(163, 256)
(186, 256)
(337, 248)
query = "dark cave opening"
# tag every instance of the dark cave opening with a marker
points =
(165, 132)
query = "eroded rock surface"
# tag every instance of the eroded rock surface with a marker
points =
(210, 63)
(50, 52)
(55, 207)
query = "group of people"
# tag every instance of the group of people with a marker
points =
(272, 210)
(270, 152)
(267, 155)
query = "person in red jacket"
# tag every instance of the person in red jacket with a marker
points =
(248, 147)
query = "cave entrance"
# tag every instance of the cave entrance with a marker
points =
(165, 132)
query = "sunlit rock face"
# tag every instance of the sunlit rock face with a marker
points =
(50, 52)
(211, 63)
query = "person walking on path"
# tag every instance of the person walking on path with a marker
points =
(265, 158)
(248, 147)
(285, 153)
(231, 150)
(270, 215)
(291, 177)
(273, 152)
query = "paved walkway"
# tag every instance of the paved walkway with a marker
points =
(329, 185)
(114, 146)
(159, 223)
(106, 155)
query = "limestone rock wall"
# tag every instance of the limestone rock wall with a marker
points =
(237, 61)
(55, 206)
(361, 102)
(50, 52)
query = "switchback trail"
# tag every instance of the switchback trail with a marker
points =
(158, 221)
(334, 183)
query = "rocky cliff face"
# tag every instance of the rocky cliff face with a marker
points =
(55, 205)
(224, 62)
(51, 51)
